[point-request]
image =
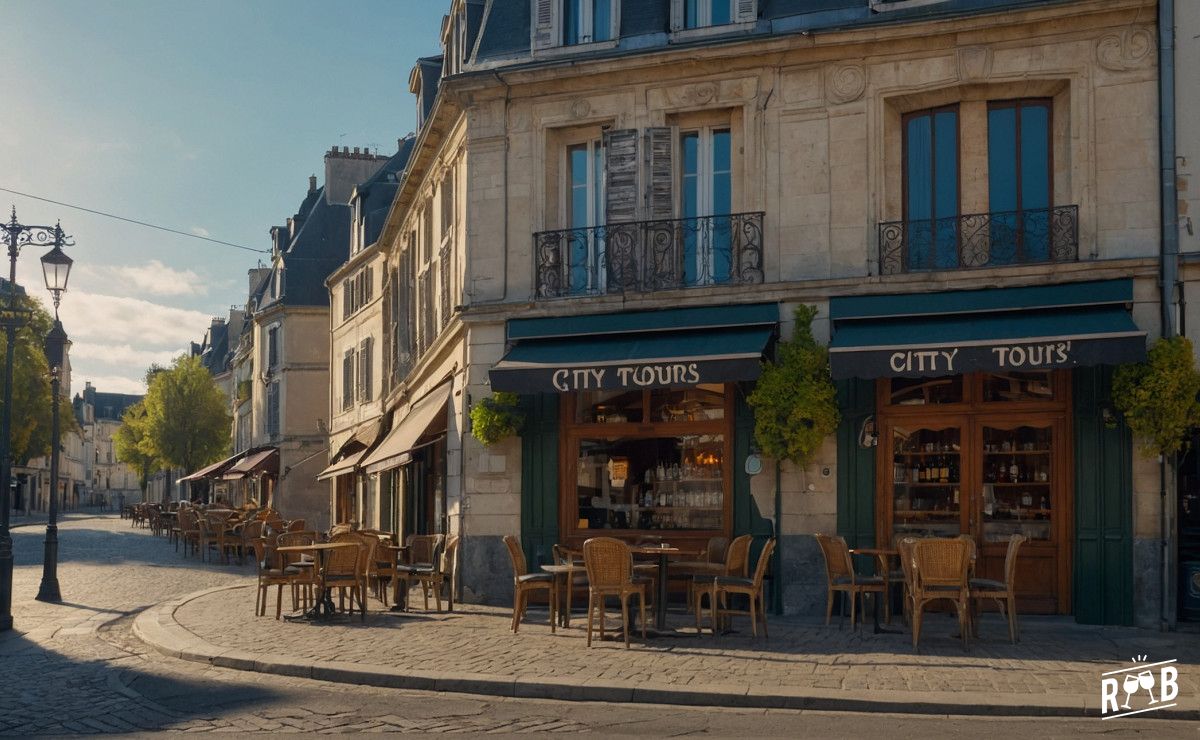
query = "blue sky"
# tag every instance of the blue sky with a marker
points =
(204, 116)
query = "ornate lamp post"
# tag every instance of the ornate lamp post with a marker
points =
(15, 235)
(56, 266)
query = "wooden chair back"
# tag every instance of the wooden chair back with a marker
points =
(296, 525)
(422, 548)
(292, 539)
(251, 530)
(561, 556)
(737, 556)
(837, 557)
(941, 562)
(609, 563)
(516, 555)
(1010, 560)
(714, 552)
(764, 562)
(343, 562)
(904, 549)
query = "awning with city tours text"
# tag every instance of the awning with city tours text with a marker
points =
(995, 330)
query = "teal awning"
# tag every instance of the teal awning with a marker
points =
(647, 349)
(1000, 329)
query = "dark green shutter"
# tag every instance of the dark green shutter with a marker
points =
(539, 477)
(1103, 563)
(855, 464)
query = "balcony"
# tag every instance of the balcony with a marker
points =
(980, 240)
(645, 256)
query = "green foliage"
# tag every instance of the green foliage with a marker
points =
(243, 391)
(795, 401)
(133, 445)
(31, 385)
(496, 418)
(1158, 397)
(187, 423)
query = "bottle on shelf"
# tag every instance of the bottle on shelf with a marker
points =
(1014, 471)
(944, 471)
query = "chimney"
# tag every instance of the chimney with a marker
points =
(312, 183)
(345, 169)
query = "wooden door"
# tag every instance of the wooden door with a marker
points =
(1020, 484)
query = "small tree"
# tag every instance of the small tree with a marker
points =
(495, 418)
(1158, 397)
(134, 447)
(30, 436)
(795, 401)
(187, 423)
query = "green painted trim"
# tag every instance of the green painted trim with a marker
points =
(539, 477)
(855, 465)
(1102, 577)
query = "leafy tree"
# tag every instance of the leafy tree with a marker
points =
(1158, 397)
(134, 447)
(31, 384)
(187, 424)
(795, 401)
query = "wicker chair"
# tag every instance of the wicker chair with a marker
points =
(301, 568)
(248, 532)
(269, 574)
(422, 557)
(839, 571)
(904, 547)
(752, 588)
(295, 525)
(524, 582)
(219, 535)
(940, 572)
(609, 566)
(1003, 593)
(346, 569)
(736, 563)
(189, 530)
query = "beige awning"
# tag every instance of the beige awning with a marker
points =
(211, 471)
(406, 434)
(343, 465)
(260, 461)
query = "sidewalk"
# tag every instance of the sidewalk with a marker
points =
(1054, 671)
(35, 518)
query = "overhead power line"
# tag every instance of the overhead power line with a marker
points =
(134, 221)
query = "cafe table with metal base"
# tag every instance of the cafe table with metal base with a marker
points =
(882, 557)
(323, 608)
(567, 572)
(663, 552)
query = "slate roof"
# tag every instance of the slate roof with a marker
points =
(108, 405)
(645, 24)
(215, 355)
(377, 193)
(321, 243)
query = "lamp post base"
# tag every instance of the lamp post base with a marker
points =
(48, 591)
(6, 579)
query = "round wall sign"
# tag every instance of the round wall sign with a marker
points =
(753, 465)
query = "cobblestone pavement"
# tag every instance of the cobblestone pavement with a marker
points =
(1055, 657)
(76, 668)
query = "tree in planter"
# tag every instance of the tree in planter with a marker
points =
(1158, 397)
(496, 418)
(795, 401)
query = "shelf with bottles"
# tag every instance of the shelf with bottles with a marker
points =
(925, 529)
(999, 532)
(995, 453)
(942, 468)
(934, 514)
(943, 484)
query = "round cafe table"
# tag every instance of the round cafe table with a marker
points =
(882, 557)
(323, 609)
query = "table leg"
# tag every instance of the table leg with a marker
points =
(660, 611)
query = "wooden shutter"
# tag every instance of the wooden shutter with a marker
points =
(370, 285)
(660, 175)
(745, 11)
(364, 370)
(676, 15)
(347, 299)
(546, 34)
(621, 175)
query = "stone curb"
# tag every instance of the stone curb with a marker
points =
(158, 628)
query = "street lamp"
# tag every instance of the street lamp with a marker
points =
(15, 235)
(56, 266)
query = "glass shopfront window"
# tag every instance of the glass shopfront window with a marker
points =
(646, 462)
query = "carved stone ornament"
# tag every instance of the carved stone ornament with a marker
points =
(1129, 49)
(974, 63)
(699, 94)
(845, 84)
(580, 108)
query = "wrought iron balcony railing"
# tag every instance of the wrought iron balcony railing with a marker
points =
(980, 240)
(649, 255)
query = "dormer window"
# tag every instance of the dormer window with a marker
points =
(566, 23)
(691, 15)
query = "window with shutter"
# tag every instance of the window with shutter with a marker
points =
(546, 34)
(706, 201)
(347, 379)
(621, 175)
(660, 173)
(272, 422)
(272, 348)
(347, 300)
(365, 370)
(689, 14)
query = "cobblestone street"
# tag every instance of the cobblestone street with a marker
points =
(77, 668)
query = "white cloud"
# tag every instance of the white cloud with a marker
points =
(200, 231)
(119, 354)
(106, 383)
(113, 320)
(154, 278)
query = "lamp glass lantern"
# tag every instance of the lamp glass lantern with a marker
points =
(56, 267)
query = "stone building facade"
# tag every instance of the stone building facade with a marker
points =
(931, 177)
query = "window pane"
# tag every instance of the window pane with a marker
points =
(601, 20)
(609, 407)
(918, 190)
(945, 188)
(1018, 475)
(658, 483)
(920, 391)
(1035, 182)
(578, 267)
(690, 19)
(1002, 159)
(571, 22)
(720, 12)
(1018, 386)
(691, 163)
